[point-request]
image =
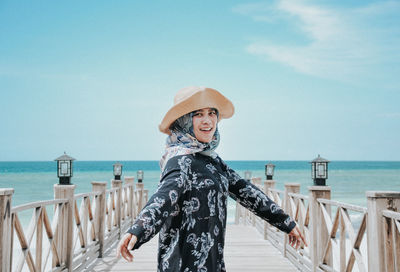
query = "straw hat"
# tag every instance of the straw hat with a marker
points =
(195, 98)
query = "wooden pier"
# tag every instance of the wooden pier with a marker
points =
(79, 232)
(245, 250)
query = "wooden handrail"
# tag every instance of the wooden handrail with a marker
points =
(276, 191)
(355, 248)
(343, 205)
(82, 195)
(67, 242)
(298, 196)
(391, 214)
(112, 190)
(37, 204)
(104, 214)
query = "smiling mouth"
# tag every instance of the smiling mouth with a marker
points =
(206, 129)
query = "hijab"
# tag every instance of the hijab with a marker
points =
(182, 140)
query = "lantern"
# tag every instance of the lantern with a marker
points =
(140, 176)
(269, 171)
(64, 169)
(319, 171)
(117, 170)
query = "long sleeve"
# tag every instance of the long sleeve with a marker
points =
(162, 205)
(256, 201)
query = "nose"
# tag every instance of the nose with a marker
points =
(206, 119)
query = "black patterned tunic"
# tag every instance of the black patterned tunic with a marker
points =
(189, 210)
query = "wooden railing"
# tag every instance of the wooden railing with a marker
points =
(31, 254)
(392, 240)
(69, 232)
(342, 237)
(354, 239)
(300, 211)
(86, 243)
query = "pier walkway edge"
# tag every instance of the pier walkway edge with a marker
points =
(72, 231)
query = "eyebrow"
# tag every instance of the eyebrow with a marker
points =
(205, 110)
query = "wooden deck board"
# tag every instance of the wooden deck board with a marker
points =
(245, 250)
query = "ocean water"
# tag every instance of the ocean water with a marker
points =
(349, 180)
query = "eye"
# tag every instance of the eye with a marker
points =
(197, 113)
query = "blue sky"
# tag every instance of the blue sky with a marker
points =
(94, 78)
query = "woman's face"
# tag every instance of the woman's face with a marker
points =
(205, 124)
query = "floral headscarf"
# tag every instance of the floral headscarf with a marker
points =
(182, 141)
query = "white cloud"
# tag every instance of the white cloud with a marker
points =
(344, 43)
(320, 24)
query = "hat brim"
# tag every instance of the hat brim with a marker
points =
(208, 98)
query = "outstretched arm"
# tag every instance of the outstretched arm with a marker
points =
(252, 198)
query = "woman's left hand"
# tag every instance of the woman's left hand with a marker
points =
(127, 243)
(296, 237)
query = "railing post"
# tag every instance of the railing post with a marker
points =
(289, 188)
(131, 197)
(268, 184)
(377, 201)
(66, 227)
(237, 213)
(6, 247)
(318, 234)
(100, 213)
(118, 184)
(140, 187)
(257, 182)
(146, 195)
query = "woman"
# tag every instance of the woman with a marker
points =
(190, 204)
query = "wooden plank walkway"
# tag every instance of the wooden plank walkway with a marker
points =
(245, 250)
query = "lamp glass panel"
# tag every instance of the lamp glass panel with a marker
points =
(64, 168)
(313, 170)
(321, 170)
(117, 170)
(270, 170)
(140, 174)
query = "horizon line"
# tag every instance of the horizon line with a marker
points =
(258, 160)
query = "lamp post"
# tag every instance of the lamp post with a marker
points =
(247, 175)
(64, 169)
(117, 170)
(269, 171)
(319, 171)
(140, 176)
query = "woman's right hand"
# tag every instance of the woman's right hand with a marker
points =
(296, 237)
(127, 243)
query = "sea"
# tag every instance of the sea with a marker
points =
(349, 180)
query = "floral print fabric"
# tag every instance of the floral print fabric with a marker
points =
(189, 211)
